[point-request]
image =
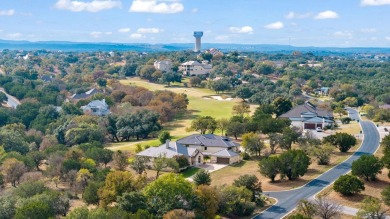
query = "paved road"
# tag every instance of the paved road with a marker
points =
(12, 101)
(287, 200)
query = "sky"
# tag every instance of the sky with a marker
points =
(323, 23)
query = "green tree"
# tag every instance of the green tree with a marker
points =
(322, 153)
(7, 207)
(195, 81)
(90, 194)
(116, 183)
(37, 157)
(12, 170)
(30, 188)
(169, 192)
(120, 160)
(207, 200)
(367, 166)
(236, 201)
(140, 164)
(202, 177)
(348, 185)
(270, 167)
(293, 164)
(203, 124)
(78, 213)
(164, 136)
(251, 182)
(132, 201)
(162, 162)
(386, 195)
(343, 141)
(100, 155)
(3, 97)
(282, 105)
(307, 208)
(289, 136)
(252, 143)
(243, 92)
(340, 111)
(222, 124)
(34, 209)
(372, 208)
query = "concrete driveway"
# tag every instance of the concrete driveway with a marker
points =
(211, 167)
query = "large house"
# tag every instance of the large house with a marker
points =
(97, 108)
(309, 116)
(85, 95)
(172, 149)
(192, 68)
(220, 149)
(164, 65)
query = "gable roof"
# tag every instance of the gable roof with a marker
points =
(98, 103)
(317, 120)
(208, 140)
(86, 94)
(306, 109)
(172, 150)
(225, 153)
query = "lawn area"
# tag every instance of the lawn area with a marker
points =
(352, 128)
(189, 172)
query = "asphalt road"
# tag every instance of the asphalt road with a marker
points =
(287, 200)
(12, 101)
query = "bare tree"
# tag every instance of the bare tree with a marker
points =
(327, 209)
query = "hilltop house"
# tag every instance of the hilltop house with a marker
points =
(323, 91)
(172, 149)
(220, 149)
(97, 108)
(164, 65)
(85, 95)
(191, 68)
(309, 116)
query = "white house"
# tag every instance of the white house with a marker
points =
(220, 149)
(164, 65)
(97, 108)
(172, 149)
(309, 116)
(191, 68)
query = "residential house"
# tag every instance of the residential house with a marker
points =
(85, 95)
(220, 149)
(97, 108)
(164, 65)
(194, 68)
(323, 91)
(309, 116)
(172, 149)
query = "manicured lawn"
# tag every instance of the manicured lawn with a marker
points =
(189, 172)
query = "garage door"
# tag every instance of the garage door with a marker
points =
(319, 125)
(310, 126)
(222, 160)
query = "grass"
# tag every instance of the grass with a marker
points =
(189, 172)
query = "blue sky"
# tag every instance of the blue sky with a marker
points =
(341, 23)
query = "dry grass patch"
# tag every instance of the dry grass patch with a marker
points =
(352, 128)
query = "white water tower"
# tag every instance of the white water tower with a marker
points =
(198, 35)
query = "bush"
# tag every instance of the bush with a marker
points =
(348, 185)
(346, 120)
(367, 166)
(202, 177)
(164, 136)
(245, 156)
(343, 141)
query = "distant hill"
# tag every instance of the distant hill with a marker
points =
(267, 48)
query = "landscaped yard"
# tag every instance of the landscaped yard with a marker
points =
(189, 172)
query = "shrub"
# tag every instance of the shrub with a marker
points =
(346, 120)
(367, 166)
(202, 177)
(245, 156)
(348, 185)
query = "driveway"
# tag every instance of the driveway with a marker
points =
(211, 167)
(287, 200)
(12, 101)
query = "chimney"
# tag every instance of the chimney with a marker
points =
(167, 144)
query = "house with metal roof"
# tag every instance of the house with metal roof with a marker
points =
(220, 149)
(96, 108)
(85, 95)
(172, 149)
(309, 116)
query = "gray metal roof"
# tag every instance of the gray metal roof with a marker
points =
(172, 150)
(304, 109)
(208, 140)
(225, 153)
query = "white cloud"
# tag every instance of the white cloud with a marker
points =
(9, 12)
(294, 15)
(90, 6)
(387, 38)
(108, 33)
(275, 26)
(157, 6)
(1, 30)
(375, 2)
(137, 36)
(326, 15)
(149, 30)
(368, 30)
(14, 35)
(194, 10)
(124, 30)
(343, 34)
(244, 29)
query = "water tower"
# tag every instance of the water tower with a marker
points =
(198, 35)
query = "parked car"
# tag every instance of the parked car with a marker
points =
(319, 129)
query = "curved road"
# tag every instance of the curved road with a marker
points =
(287, 200)
(12, 101)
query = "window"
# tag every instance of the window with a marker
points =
(205, 148)
(229, 148)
